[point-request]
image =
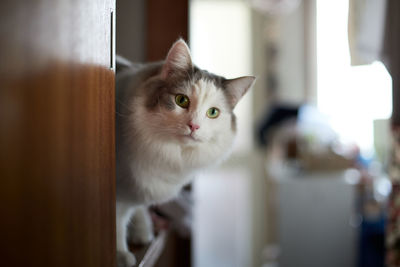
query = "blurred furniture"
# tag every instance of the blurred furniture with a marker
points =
(314, 214)
(391, 57)
(393, 232)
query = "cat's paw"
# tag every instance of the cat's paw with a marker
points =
(140, 229)
(141, 236)
(125, 259)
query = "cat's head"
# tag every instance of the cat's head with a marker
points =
(191, 106)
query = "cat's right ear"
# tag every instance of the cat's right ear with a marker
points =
(178, 60)
(236, 88)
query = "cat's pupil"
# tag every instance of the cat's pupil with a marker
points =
(182, 101)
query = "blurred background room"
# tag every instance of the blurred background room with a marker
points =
(314, 178)
(308, 183)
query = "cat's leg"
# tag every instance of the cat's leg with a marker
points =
(124, 213)
(140, 227)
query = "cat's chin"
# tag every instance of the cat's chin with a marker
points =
(189, 140)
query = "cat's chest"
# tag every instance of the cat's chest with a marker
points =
(160, 187)
(158, 172)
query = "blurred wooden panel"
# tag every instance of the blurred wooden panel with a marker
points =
(166, 22)
(57, 186)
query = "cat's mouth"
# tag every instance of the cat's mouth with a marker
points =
(190, 138)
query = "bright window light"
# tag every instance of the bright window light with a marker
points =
(351, 96)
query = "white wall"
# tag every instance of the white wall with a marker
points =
(228, 210)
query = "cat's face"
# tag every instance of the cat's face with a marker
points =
(192, 107)
(193, 113)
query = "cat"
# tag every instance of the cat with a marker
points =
(173, 120)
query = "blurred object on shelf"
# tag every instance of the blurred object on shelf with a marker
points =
(306, 157)
(382, 140)
(393, 229)
(302, 136)
(327, 160)
(276, 116)
(373, 192)
(270, 255)
(372, 235)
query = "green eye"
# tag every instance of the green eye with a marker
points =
(212, 113)
(182, 101)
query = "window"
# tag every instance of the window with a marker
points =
(351, 96)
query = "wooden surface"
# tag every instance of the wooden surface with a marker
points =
(166, 22)
(57, 186)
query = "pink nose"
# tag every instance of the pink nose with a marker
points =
(193, 127)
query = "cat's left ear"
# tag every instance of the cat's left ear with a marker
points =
(236, 88)
(178, 60)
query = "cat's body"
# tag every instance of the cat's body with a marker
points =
(173, 120)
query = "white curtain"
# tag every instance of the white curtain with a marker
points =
(366, 30)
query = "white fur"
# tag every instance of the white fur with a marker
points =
(161, 166)
(157, 154)
(158, 167)
(123, 213)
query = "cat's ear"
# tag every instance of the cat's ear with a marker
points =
(178, 60)
(236, 88)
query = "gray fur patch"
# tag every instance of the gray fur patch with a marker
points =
(155, 90)
(168, 102)
(198, 74)
(218, 81)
